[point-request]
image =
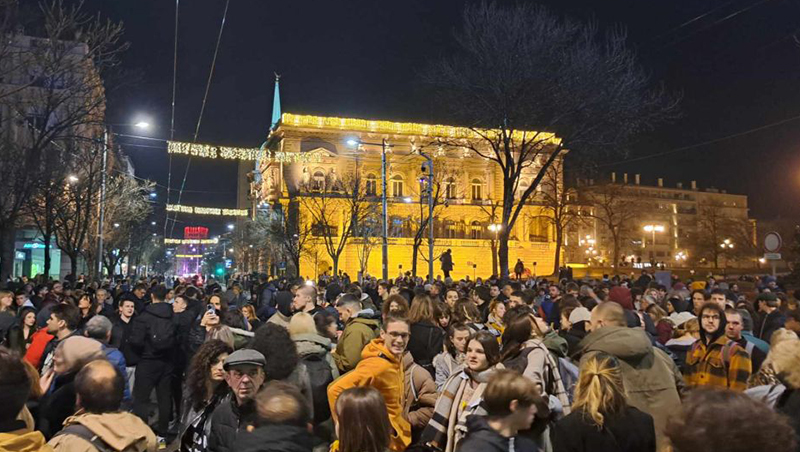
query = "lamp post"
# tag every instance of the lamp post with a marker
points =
(726, 245)
(430, 215)
(107, 133)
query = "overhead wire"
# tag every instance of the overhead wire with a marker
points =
(703, 143)
(715, 23)
(172, 116)
(203, 106)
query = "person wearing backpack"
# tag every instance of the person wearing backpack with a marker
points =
(100, 425)
(715, 360)
(315, 352)
(154, 336)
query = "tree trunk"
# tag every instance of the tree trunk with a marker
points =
(616, 253)
(73, 265)
(502, 254)
(47, 239)
(335, 260)
(414, 255)
(6, 253)
(494, 256)
(557, 258)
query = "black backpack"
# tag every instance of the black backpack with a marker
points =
(320, 375)
(162, 334)
(83, 432)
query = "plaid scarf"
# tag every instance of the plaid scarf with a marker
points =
(446, 427)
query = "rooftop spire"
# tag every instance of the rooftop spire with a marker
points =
(276, 104)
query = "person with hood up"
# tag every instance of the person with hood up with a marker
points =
(284, 312)
(100, 425)
(15, 386)
(651, 379)
(314, 351)
(511, 403)
(359, 329)
(381, 367)
(715, 360)
(281, 422)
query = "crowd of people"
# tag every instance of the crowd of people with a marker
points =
(287, 365)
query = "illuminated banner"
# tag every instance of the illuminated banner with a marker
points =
(189, 256)
(191, 241)
(207, 210)
(210, 151)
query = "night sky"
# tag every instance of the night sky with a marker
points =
(737, 67)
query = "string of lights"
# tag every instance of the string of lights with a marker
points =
(237, 153)
(217, 211)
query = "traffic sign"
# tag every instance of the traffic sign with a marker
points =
(772, 256)
(772, 242)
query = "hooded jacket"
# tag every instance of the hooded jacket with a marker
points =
(276, 438)
(120, 431)
(16, 437)
(717, 361)
(383, 371)
(483, 438)
(358, 331)
(314, 344)
(651, 379)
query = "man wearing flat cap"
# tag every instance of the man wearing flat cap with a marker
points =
(770, 317)
(244, 373)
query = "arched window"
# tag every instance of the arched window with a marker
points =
(397, 186)
(476, 230)
(450, 188)
(451, 229)
(372, 185)
(318, 183)
(477, 190)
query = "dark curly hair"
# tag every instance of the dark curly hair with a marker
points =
(273, 341)
(198, 372)
(708, 415)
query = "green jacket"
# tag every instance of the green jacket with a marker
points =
(356, 335)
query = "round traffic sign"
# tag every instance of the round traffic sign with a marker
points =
(772, 242)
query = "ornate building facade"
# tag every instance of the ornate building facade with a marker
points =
(329, 171)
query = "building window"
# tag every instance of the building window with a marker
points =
(321, 229)
(397, 186)
(477, 190)
(318, 183)
(372, 185)
(450, 188)
(475, 230)
(451, 230)
(540, 229)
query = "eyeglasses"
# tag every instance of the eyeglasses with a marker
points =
(396, 335)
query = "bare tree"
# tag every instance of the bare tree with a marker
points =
(561, 207)
(52, 95)
(714, 227)
(491, 212)
(292, 231)
(614, 211)
(127, 208)
(336, 211)
(522, 69)
(366, 238)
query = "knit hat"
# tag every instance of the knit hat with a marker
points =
(78, 350)
(622, 296)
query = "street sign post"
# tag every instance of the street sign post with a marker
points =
(772, 246)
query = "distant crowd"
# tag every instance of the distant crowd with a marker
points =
(260, 363)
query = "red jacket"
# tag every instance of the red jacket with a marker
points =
(39, 341)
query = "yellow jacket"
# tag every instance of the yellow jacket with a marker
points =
(23, 440)
(383, 371)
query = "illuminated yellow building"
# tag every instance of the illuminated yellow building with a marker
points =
(471, 190)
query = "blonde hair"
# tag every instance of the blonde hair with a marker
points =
(223, 333)
(780, 335)
(688, 327)
(302, 323)
(785, 359)
(600, 390)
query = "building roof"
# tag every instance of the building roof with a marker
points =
(400, 128)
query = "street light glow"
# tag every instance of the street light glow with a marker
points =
(407, 199)
(230, 227)
(73, 178)
(494, 227)
(352, 142)
(144, 125)
(653, 228)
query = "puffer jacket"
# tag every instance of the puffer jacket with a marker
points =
(226, 421)
(420, 394)
(120, 431)
(651, 379)
(383, 371)
(357, 333)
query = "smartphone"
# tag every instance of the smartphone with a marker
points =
(211, 310)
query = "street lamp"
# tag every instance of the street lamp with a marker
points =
(496, 228)
(72, 178)
(231, 227)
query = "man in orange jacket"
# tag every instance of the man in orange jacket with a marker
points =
(381, 367)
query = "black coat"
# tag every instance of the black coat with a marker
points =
(277, 438)
(120, 335)
(768, 324)
(426, 341)
(57, 405)
(482, 438)
(144, 323)
(227, 420)
(628, 431)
